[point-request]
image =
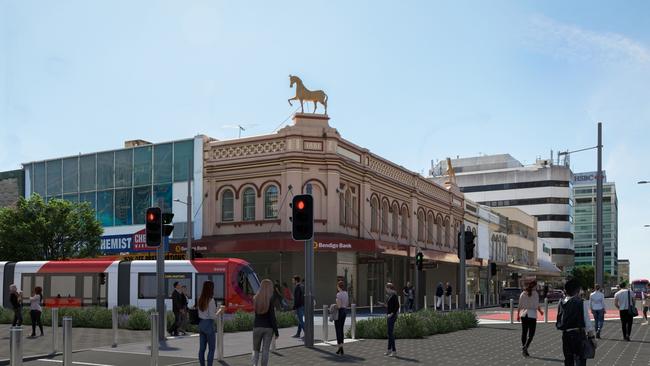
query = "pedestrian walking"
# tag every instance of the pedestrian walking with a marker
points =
(573, 320)
(392, 309)
(529, 305)
(15, 299)
(597, 305)
(265, 326)
(35, 310)
(207, 314)
(624, 302)
(342, 303)
(409, 295)
(179, 302)
(645, 295)
(299, 304)
(185, 316)
(440, 294)
(448, 291)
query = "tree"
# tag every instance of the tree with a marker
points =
(58, 229)
(584, 275)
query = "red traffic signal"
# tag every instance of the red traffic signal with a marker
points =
(302, 219)
(300, 205)
(154, 227)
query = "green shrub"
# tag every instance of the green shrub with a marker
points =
(240, 322)
(286, 319)
(138, 320)
(417, 325)
(6, 316)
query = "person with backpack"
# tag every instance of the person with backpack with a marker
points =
(299, 304)
(35, 310)
(529, 305)
(392, 310)
(597, 305)
(573, 320)
(624, 302)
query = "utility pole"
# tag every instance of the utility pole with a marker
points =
(461, 268)
(600, 247)
(189, 210)
(309, 287)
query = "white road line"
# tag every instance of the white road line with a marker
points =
(74, 362)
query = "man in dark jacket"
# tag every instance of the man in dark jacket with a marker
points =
(179, 304)
(573, 320)
(16, 304)
(440, 293)
(299, 304)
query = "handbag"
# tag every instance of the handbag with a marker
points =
(631, 307)
(588, 348)
(194, 316)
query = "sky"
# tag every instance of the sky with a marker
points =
(411, 81)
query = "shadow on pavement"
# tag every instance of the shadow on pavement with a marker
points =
(331, 357)
(406, 359)
(547, 359)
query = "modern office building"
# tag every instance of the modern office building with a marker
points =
(121, 184)
(543, 189)
(584, 191)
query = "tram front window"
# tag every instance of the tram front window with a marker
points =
(248, 281)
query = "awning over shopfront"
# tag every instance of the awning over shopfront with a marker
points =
(548, 269)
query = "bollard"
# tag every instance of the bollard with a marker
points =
(435, 303)
(546, 310)
(353, 326)
(325, 325)
(456, 302)
(512, 311)
(425, 302)
(16, 346)
(67, 341)
(371, 304)
(55, 330)
(399, 300)
(480, 299)
(114, 327)
(443, 302)
(220, 322)
(154, 339)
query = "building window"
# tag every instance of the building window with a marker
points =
(439, 230)
(395, 227)
(227, 205)
(162, 197)
(405, 223)
(374, 215)
(248, 204)
(105, 170)
(348, 207)
(54, 178)
(384, 217)
(124, 168)
(183, 154)
(271, 202)
(342, 218)
(447, 232)
(421, 226)
(71, 175)
(123, 207)
(90, 198)
(141, 201)
(105, 208)
(430, 228)
(162, 163)
(142, 166)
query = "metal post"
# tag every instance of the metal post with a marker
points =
(399, 300)
(160, 298)
(461, 267)
(425, 302)
(154, 339)
(435, 303)
(220, 333)
(450, 302)
(353, 326)
(512, 311)
(115, 323)
(546, 310)
(67, 341)
(189, 209)
(325, 325)
(309, 287)
(16, 346)
(480, 299)
(600, 247)
(371, 305)
(55, 330)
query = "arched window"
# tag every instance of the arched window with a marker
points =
(439, 230)
(430, 220)
(384, 217)
(271, 202)
(374, 215)
(447, 232)
(420, 226)
(227, 205)
(248, 204)
(405, 223)
(395, 227)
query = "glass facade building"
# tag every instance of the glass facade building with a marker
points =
(585, 224)
(120, 184)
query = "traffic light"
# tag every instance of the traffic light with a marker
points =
(196, 254)
(419, 260)
(168, 227)
(154, 227)
(302, 218)
(493, 269)
(469, 244)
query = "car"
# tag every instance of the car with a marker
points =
(509, 293)
(554, 295)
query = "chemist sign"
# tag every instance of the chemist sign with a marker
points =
(136, 242)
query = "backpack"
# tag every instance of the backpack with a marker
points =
(570, 314)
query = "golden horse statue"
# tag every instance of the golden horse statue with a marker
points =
(304, 94)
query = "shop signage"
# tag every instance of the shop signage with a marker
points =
(332, 246)
(130, 243)
(587, 178)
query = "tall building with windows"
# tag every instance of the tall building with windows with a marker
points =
(584, 192)
(543, 190)
(121, 184)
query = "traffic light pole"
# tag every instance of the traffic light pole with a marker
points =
(600, 247)
(461, 269)
(417, 278)
(309, 288)
(160, 297)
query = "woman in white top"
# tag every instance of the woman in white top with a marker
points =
(207, 314)
(529, 304)
(597, 305)
(342, 302)
(645, 295)
(35, 310)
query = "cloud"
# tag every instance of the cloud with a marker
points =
(571, 42)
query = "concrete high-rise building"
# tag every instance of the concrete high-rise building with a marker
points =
(624, 270)
(584, 192)
(543, 190)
